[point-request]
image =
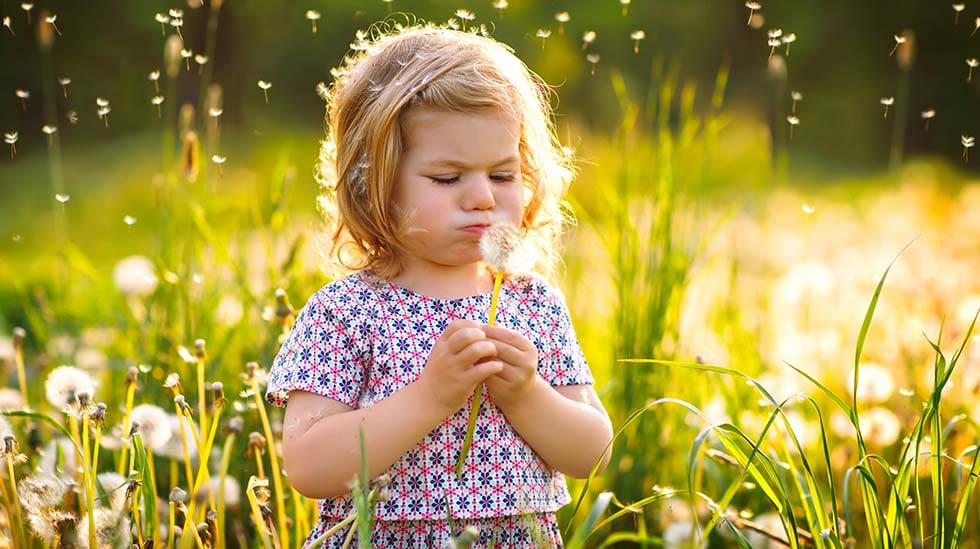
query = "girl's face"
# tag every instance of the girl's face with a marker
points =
(458, 174)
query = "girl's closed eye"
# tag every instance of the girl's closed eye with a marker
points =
(501, 177)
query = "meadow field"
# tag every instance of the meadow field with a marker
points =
(787, 350)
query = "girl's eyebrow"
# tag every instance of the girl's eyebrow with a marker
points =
(457, 164)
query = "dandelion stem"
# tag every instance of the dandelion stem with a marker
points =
(127, 425)
(202, 471)
(273, 462)
(257, 513)
(187, 454)
(89, 481)
(478, 392)
(14, 504)
(170, 528)
(201, 399)
(222, 474)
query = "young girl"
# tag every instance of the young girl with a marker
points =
(433, 136)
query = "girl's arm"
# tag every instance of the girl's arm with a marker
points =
(321, 450)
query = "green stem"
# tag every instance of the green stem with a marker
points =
(478, 392)
(274, 463)
(222, 474)
(127, 425)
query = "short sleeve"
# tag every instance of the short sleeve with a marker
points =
(320, 355)
(560, 358)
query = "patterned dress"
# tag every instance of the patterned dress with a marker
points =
(358, 340)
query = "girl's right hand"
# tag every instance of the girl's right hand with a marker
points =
(460, 359)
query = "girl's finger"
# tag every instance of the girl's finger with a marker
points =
(506, 335)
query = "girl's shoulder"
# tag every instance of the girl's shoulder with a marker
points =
(354, 292)
(536, 290)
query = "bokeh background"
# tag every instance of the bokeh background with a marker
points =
(708, 232)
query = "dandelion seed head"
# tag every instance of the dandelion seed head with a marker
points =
(48, 129)
(638, 35)
(967, 141)
(113, 484)
(186, 53)
(64, 80)
(174, 12)
(927, 114)
(10, 138)
(880, 426)
(753, 5)
(498, 243)
(465, 15)
(23, 94)
(973, 62)
(563, 17)
(200, 59)
(135, 276)
(62, 197)
(27, 6)
(797, 96)
(51, 19)
(154, 75)
(789, 38)
(592, 58)
(959, 6)
(264, 85)
(588, 37)
(64, 383)
(312, 15)
(101, 102)
(793, 120)
(11, 399)
(129, 220)
(157, 99)
(774, 42)
(775, 33)
(102, 111)
(887, 101)
(543, 33)
(72, 117)
(218, 159)
(161, 18)
(154, 425)
(500, 4)
(875, 383)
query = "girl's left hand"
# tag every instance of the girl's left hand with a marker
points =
(520, 359)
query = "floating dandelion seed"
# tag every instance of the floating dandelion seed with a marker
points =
(543, 34)
(636, 36)
(793, 122)
(6, 23)
(64, 81)
(972, 63)
(807, 209)
(899, 40)
(313, 16)
(626, 6)
(103, 113)
(49, 131)
(587, 38)
(24, 95)
(176, 23)
(129, 220)
(887, 102)
(219, 160)
(594, 59)
(176, 13)
(322, 91)
(958, 7)
(62, 197)
(753, 6)
(967, 141)
(464, 16)
(10, 138)
(72, 117)
(562, 17)
(787, 40)
(797, 97)
(201, 60)
(163, 20)
(155, 78)
(27, 7)
(265, 89)
(215, 113)
(158, 100)
(928, 115)
(500, 6)
(976, 26)
(187, 54)
(50, 20)
(773, 44)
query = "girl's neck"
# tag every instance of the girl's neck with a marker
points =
(446, 282)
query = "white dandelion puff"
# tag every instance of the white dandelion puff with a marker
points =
(64, 383)
(154, 425)
(498, 243)
(135, 276)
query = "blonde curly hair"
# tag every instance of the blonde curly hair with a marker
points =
(393, 68)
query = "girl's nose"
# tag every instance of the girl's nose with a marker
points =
(479, 194)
